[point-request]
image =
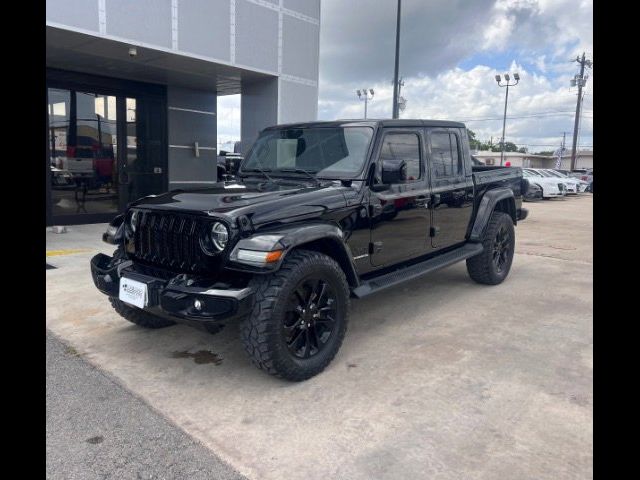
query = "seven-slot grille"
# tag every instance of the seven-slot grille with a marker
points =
(170, 240)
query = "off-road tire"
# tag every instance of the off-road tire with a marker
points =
(133, 314)
(482, 268)
(262, 330)
(139, 316)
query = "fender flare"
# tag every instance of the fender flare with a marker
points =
(486, 207)
(289, 237)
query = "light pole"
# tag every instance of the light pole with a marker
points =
(395, 113)
(364, 95)
(507, 78)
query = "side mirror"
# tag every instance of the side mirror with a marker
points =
(394, 171)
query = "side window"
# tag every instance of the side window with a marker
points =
(445, 156)
(403, 146)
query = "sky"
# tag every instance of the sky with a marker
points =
(450, 52)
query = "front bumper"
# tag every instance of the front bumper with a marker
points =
(522, 214)
(175, 297)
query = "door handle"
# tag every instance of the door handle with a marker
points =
(422, 201)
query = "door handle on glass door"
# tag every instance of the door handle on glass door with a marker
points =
(422, 201)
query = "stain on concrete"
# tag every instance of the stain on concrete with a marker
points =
(95, 440)
(69, 350)
(201, 356)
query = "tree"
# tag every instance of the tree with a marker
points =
(522, 150)
(476, 144)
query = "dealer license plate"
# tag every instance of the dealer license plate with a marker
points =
(133, 292)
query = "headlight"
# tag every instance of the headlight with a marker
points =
(219, 235)
(133, 222)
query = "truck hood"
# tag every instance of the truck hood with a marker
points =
(260, 201)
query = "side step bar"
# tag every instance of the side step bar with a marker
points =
(403, 274)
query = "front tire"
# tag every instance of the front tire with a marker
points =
(492, 266)
(134, 314)
(299, 316)
(139, 316)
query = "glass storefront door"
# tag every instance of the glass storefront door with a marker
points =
(83, 152)
(104, 151)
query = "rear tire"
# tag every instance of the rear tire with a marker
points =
(299, 316)
(492, 266)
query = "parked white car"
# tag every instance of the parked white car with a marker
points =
(582, 185)
(550, 187)
(571, 184)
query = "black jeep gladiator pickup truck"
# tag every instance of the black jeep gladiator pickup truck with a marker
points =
(318, 213)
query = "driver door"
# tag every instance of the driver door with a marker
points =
(400, 215)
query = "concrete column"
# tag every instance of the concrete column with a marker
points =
(258, 109)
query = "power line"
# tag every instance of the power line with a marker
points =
(533, 115)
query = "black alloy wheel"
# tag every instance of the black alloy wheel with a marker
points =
(492, 265)
(501, 248)
(310, 318)
(299, 316)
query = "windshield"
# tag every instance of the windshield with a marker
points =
(544, 173)
(325, 151)
(560, 174)
(534, 173)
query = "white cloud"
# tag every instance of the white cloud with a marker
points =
(538, 38)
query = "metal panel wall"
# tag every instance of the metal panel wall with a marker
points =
(191, 119)
(75, 13)
(311, 8)
(256, 36)
(146, 21)
(300, 52)
(204, 27)
(298, 102)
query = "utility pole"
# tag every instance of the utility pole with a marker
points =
(396, 112)
(581, 81)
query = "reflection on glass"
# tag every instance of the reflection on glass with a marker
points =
(83, 146)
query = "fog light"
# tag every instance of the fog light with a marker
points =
(197, 304)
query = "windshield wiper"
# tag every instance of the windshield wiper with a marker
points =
(263, 171)
(301, 170)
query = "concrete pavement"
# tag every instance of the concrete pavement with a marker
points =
(97, 430)
(440, 378)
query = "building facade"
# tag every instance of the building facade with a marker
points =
(132, 87)
(584, 159)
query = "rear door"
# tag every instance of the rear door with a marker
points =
(400, 217)
(451, 187)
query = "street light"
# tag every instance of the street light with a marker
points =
(507, 78)
(364, 95)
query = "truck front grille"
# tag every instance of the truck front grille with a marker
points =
(171, 241)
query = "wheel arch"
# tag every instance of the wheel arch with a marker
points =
(324, 238)
(498, 200)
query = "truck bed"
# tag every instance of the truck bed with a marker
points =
(489, 177)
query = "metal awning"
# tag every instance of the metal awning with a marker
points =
(82, 52)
